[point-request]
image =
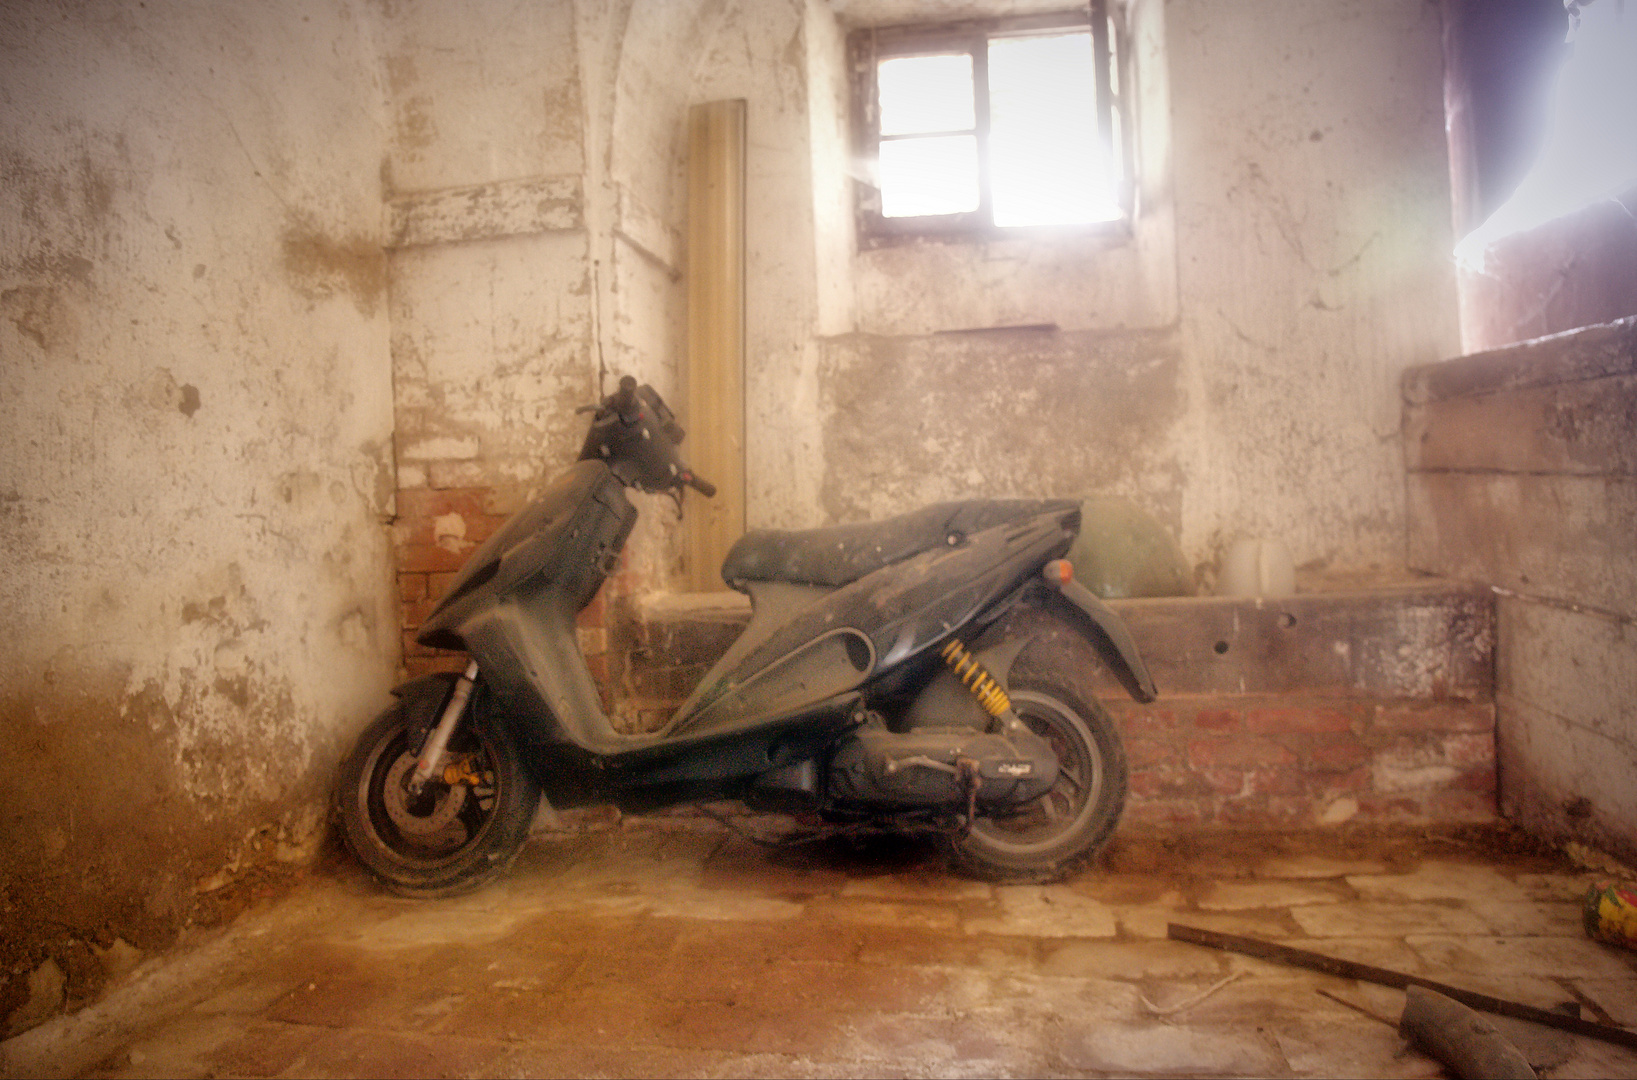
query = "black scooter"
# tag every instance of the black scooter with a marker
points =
(873, 688)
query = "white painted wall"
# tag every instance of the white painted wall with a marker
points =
(195, 443)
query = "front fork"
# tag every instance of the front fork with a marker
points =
(431, 758)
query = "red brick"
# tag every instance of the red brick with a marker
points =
(1375, 805)
(1338, 755)
(438, 584)
(1149, 722)
(1165, 782)
(1286, 782)
(1224, 781)
(1296, 720)
(1335, 783)
(595, 613)
(1442, 716)
(1166, 812)
(411, 587)
(1276, 811)
(1478, 779)
(415, 614)
(1146, 753)
(1237, 752)
(1461, 805)
(1219, 720)
(416, 666)
(420, 508)
(428, 558)
(1467, 750)
(430, 503)
(483, 526)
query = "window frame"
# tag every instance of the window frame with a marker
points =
(868, 46)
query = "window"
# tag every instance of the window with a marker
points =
(988, 126)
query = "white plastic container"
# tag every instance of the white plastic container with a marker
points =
(1256, 567)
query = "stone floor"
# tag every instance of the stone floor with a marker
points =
(671, 947)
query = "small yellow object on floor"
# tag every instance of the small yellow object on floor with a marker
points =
(1610, 913)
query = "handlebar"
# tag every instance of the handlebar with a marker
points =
(624, 401)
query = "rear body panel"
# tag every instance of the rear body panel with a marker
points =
(850, 635)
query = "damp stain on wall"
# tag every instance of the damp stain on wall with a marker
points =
(319, 266)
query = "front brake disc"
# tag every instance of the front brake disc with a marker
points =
(446, 803)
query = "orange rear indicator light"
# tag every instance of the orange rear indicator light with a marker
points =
(1058, 571)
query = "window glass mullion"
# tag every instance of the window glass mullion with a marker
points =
(980, 102)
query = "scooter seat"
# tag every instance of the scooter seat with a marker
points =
(841, 554)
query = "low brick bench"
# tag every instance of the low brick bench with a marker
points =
(1372, 706)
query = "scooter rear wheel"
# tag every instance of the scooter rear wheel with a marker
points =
(455, 835)
(1052, 836)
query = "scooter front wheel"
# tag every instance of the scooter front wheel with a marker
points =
(1050, 837)
(464, 826)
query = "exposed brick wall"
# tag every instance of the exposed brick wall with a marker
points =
(1293, 760)
(436, 529)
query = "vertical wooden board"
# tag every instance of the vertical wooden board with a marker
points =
(715, 409)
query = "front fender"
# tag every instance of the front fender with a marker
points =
(424, 698)
(1107, 633)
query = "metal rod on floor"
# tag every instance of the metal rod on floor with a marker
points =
(1347, 969)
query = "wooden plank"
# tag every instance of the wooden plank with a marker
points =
(1348, 969)
(714, 413)
(1566, 538)
(1586, 428)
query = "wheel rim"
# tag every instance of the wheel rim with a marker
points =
(446, 820)
(1042, 823)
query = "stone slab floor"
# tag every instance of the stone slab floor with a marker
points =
(672, 947)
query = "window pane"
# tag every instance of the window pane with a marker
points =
(936, 175)
(925, 93)
(1047, 165)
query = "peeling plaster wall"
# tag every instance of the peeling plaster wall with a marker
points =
(537, 190)
(1290, 260)
(928, 400)
(195, 458)
(761, 52)
(1313, 249)
(491, 273)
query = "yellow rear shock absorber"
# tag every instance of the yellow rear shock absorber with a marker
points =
(975, 678)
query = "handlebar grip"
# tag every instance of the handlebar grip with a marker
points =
(700, 484)
(624, 400)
